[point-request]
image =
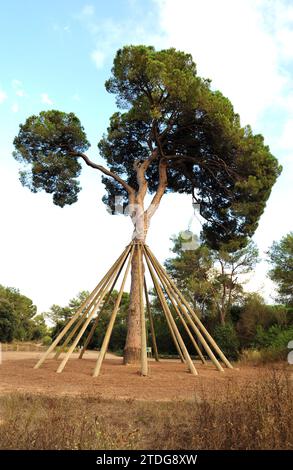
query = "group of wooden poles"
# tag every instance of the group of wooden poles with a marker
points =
(174, 306)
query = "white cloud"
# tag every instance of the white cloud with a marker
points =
(45, 98)
(98, 58)
(286, 139)
(18, 88)
(15, 108)
(3, 96)
(109, 34)
(76, 97)
(88, 10)
(280, 14)
(232, 60)
(244, 46)
(233, 44)
(16, 83)
(61, 29)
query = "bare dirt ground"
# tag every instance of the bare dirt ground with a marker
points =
(20, 355)
(167, 380)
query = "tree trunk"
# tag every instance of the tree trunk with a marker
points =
(141, 220)
(223, 299)
(222, 316)
(132, 350)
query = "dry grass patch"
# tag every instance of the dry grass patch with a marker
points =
(258, 415)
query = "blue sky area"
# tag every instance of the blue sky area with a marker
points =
(50, 47)
(58, 54)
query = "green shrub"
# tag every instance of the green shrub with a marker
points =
(274, 338)
(47, 340)
(258, 357)
(269, 346)
(227, 339)
(251, 356)
(7, 321)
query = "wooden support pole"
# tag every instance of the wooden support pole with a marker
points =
(173, 301)
(194, 327)
(150, 315)
(162, 276)
(171, 319)
(103, 293)
(195, 317)
(202, 339)
(170, 328)
(107, 337)
(71, 334)
(91, 333)
(144, 358)
(77, 326)
(177, 346)
(81, 320)
(79, 311)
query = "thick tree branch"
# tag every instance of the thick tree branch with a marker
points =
(163, 181)
(142, 182)
(141, 168)
(150, 160)
(104, 170)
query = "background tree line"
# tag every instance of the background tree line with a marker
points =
(18, 317)
(213, 282)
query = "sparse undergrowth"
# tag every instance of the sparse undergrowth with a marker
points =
(254, 416)
(263, 357)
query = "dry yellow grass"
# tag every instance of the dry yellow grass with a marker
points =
(252, 416)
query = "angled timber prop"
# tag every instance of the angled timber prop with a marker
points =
(173, 134)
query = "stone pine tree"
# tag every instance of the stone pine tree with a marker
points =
(212, 280)
(173, 133)
(281, 272)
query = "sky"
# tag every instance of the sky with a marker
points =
(58, 54)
